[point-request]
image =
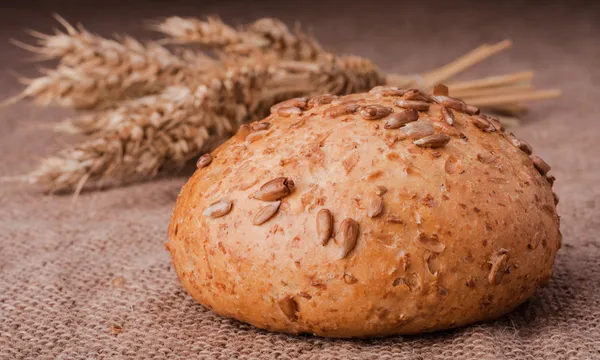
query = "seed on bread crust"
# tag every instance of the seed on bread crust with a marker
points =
(540, 165)
(411, 104)
(204, 161)
(275, 189)
(265, 213)
(482, 123)
(433, 141)
(375, 207)
(451, 103)
(401, 118)
(472, 110)
(255, 136)
(218, 209)
(299, 103)
(440, 89)
(417, 130)
(522, 145)
(324, 226)
(320, 100)
(456, 104)
(349, 236)
(496, 123)
(288, 111)
(339, 110)
(447, 115)
(380, 190)
(414, 94)
(374, 112)
(243, 132)
(261, 126)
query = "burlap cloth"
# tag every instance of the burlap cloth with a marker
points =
(58, 259)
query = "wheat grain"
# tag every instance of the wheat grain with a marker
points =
(265, 35)
(96, 72)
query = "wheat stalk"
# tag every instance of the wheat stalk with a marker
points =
(97, 72)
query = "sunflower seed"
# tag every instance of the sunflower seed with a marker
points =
(496, 123)
(289, 307)
(339, 110)
(243, 132)
(401, 118)
(440, 89)
(252, 137)
(431, 243)
(380, 190)
(497, 270)
(324, 226)
(204, 161)
(540, 165)
(522, 145)
(482, 123)
(299, 103)
(288, 111)
(410, 104)
(218, 209)
(472, 110)
(447, 115)
(321, 100)
(417, 130)
(451, 103)
(374, 112)
(261, 126)
(414, 94)
(433, 141)
(550, 179)
(349, 234)
(275, 189)
(375, 207)
(266, 213)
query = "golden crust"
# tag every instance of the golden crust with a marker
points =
(466, 231)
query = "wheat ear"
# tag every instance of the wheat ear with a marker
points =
(97, 72)
(267, 36)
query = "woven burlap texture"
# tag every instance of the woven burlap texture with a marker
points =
(61, 263)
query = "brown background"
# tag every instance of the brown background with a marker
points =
(57, 259)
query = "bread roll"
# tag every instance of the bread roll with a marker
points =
(388, 212)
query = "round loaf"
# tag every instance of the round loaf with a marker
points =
(388, 212)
